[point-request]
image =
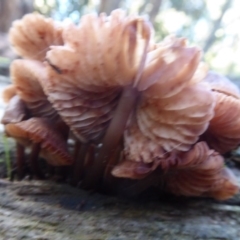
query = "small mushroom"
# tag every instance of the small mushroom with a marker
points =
(42, 132)
(170, 66)
(201, 172)
(32, 36)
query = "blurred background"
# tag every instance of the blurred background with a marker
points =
(212, 25)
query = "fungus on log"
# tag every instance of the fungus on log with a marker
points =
(146, 107)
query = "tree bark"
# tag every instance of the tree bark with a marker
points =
(156, 5)
(216, 24)
(108, 5)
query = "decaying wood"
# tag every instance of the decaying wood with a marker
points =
(43, 210)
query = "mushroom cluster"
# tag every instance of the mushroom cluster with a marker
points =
(135, 109)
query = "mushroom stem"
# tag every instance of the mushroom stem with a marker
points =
(90, 157)
(112, 137)
(79, 162)
(33, 160)
(20, 161)
(77, 146)
(109, 180)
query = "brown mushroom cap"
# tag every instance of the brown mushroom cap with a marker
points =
(223, 133)
(32, 36)
(133, 170)
(39, 130)
(16, 111)
(201, 172)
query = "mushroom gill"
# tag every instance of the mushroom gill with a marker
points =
(223, 133)
(175, 110)
(25, 75)
(53, 146)
(32, 36)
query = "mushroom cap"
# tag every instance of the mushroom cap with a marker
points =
(16, 111)
(25, 75)
(170, 66)
(223, 133)
(222, 84)
(103, 52)
(32, 36)
(42, 131)
(133, 170)
(201, 172)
